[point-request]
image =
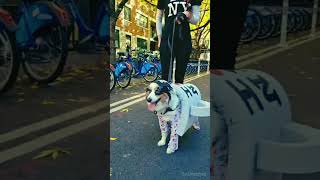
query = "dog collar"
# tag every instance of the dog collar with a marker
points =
(167, 110)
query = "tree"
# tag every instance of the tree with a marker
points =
(114, 15)
(201, 31)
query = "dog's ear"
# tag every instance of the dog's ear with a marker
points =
(164, 97)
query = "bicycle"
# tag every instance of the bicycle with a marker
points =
(122, 72)
(39, 39)
(141, 67)
(99, 33)
(154, 59)
(252, 26)
(112, 76)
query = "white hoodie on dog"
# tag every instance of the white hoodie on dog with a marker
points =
(189, 95)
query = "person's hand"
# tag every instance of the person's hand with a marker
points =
(188, 14)
(180, 17)
(183, 16)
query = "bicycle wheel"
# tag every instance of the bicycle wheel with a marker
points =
(151, 75)
(268, 24)
(112, 79)
(9, 61)
(252, 27)
(124, 78)
(45, 62)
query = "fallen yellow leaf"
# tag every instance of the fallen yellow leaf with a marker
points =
(53, 153)
(125, 110)
(113, 139)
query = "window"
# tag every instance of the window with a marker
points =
(127, 13)
(153, 30)
(128, 40)
(117, 40)
(142, 20)
(142, 43)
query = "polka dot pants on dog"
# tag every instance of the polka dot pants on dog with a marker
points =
(174, 139)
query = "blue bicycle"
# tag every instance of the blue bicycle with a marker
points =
(142, 67)
(99, 33)
(154, 59)
(120, 73)
(40, 39)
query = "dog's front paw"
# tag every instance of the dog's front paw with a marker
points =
(161, 143)
(170, 151)
(196, 127)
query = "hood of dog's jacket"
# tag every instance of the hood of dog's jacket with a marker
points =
(164, 86)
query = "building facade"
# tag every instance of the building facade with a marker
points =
(136, 26)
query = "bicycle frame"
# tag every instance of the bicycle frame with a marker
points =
(100, 30)
(34, 17)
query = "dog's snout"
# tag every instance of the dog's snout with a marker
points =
(149, 99)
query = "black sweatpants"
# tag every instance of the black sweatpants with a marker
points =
(181, 52)
(227, 21)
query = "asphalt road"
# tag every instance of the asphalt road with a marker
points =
(298, 70)
(72, 114)
(135, 154)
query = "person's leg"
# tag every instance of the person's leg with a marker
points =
(182, 60)
(165, 59)
(228, 16)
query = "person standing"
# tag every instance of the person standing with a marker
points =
(227, 20)
(176, 35)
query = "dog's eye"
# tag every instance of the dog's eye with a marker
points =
(158, 91)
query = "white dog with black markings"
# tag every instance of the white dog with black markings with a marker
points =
(170, 102)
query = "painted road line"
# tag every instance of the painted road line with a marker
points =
(126, 100)
(20, 132)
(266, 55)
(276, 46)
(50, 138)
(143, 98)
(126, 105)
(258, 52)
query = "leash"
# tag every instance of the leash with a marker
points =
(171, 50)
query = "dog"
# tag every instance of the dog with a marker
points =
(164, 100)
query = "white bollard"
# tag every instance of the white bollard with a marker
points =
(199, 63)
(284, 23)
(263, 142)
(314, 17)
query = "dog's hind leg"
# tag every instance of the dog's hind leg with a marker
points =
(164, 131)
(196, 124)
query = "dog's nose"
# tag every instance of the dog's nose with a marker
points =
(149, 99)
